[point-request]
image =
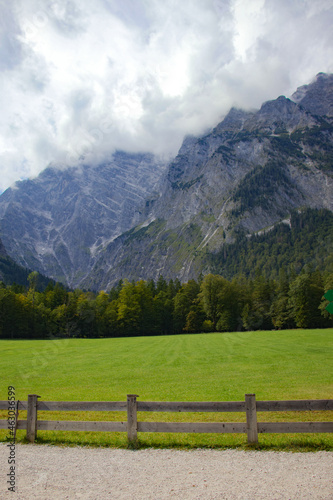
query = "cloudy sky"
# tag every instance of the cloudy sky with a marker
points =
(81, 78)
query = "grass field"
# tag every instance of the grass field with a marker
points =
(291, 364)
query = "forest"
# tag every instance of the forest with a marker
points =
(304, 239)
(212, 303)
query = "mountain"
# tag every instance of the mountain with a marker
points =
(11, 272)
(317, 97)
(134, 218)
(59, 222)
(246, 175)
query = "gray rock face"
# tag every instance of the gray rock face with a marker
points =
(59, 222)
(3, 252)
(247, 174)
(133, 218)
(317, 97)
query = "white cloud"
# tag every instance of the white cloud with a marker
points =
(85, 78)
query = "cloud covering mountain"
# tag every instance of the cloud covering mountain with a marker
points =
(80, 79)
(137, 217)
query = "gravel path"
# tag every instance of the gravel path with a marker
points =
(47, 472)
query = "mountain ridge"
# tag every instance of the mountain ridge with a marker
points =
(249, 172)
(57, 222)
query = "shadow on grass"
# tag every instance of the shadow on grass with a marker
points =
(294, 444)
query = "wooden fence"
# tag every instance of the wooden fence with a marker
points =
(132, 426)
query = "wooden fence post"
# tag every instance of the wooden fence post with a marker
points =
(32, 417)
(132, 421)
(251, 418)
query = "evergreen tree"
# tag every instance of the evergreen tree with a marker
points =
(305, 295)
(184, 303)
(210, 295)
(280, 312)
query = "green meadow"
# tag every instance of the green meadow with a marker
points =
(289, 364)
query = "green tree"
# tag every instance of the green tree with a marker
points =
(210, 296)
(111, 319)
(256, 311)
(305, 296)
(85, 309)
(54, 296)
(145, 301)
(59, 321)
(135, 308)
(195, 318)
(262, 299)
(163, 313)
(33, 281)
(72, 328)
(280, 311)
(161, 285)
(9, 314)
(101, 305)
(328, 285)
(184, 303)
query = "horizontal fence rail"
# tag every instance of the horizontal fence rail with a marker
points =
(132, 426)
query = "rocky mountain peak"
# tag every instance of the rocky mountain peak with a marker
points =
(280, 114)
(188, 142)
(234, 120)
(281, 107)
(317, 97)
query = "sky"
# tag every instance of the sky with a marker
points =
(80, 79)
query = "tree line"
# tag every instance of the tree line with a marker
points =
(211, 303)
